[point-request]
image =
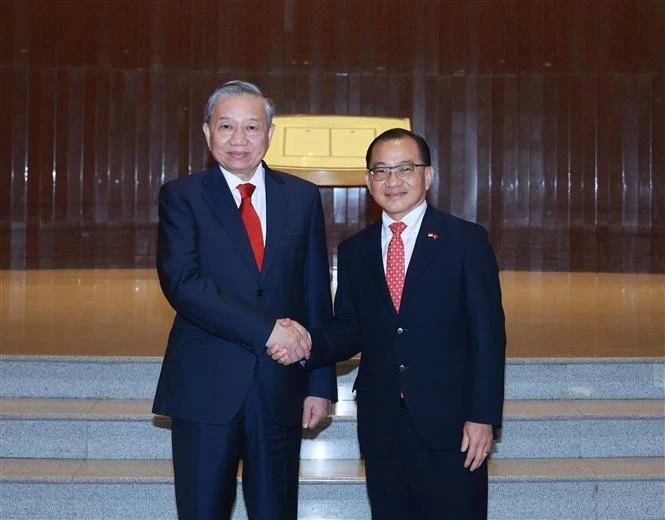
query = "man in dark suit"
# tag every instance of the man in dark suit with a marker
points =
(418, 296)
(240, 248)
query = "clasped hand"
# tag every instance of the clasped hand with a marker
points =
(289, 342)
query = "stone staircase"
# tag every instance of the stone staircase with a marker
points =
(582, 439)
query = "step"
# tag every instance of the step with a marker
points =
(136, 377)
(561, 489)
(126, 429)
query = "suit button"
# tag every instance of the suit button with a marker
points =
(402, 368)
(400, 330)
(259, 293)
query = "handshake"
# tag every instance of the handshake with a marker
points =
(289, 342)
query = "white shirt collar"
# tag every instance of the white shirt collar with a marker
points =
(410, 219)
(258, 179)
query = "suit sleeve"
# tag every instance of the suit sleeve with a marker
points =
(488, 334)
(322, 382)
(192, 294)
(340, 339)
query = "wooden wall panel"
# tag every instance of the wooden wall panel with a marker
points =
(546, 119)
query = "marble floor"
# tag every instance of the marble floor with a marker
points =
(121, 312)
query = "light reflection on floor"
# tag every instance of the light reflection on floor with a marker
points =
(121, 312)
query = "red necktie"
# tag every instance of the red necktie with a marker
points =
(395, 264)
(252, 222)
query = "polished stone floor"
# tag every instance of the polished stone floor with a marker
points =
(121, 312)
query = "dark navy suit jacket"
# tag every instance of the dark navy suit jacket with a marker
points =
(445, 350)
(226, 309)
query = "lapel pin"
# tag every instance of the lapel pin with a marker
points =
(433, 236)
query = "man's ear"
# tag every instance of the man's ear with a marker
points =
(429, 175)
(368, 183)
(206, 131)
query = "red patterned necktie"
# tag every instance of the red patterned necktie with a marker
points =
(395, 264)
(252, 222)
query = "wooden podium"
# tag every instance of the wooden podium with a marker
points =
(328, 150)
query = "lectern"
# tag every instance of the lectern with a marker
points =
(328, 150)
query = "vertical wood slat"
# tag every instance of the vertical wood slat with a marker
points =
(545, 119)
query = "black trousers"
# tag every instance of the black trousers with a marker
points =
(416, 483)
(206, 458)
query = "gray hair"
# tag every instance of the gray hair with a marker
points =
(236, 88)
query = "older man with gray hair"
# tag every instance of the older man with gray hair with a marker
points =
(241, 248)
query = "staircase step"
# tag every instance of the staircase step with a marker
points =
(79, 376)
(562, 489)
(582, 439)
(136, 378)
(126, 429)
(582, 428)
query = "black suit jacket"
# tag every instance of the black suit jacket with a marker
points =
(226, 309)
(445, 350)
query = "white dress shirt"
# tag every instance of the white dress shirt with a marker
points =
(412, 220)
(258, 197)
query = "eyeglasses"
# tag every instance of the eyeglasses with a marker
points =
(401, 171)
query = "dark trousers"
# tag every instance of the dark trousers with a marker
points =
(416, 483)
(205, 463)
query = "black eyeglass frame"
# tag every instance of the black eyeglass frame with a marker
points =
(394, 170)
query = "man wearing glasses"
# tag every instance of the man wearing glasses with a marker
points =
(418, 296)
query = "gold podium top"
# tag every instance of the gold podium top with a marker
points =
(328, 150)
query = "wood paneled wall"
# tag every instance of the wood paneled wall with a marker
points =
(546, 118)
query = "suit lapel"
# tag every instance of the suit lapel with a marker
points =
(431, 237)
(374, 257)
(277, 204)
(218, 196)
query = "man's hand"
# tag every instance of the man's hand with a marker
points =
(477, 443)
(289, 342)
(315, 409)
